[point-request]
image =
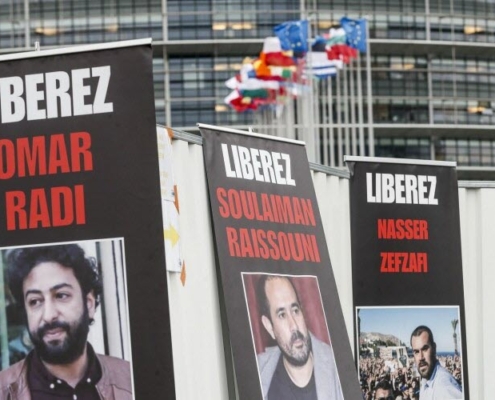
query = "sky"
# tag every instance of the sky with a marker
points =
(401, 321)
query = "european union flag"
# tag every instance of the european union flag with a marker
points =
(293, 35)
(355, 30)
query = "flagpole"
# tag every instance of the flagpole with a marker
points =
(330, 124)
(308, 111)
(353, 109)
(268, 113)
(301, 101)
(285, 114)
(371, 134)
(269, 116)
(281, 120)
(316, 118)
(331, 140)
(324, 119)
(265, 121)
(274, 120)
(289, 114)
(310, 140)
(346, 112)
(360, 107)
(277, 118)
(339, 122)
(262, 118)
(299, 112)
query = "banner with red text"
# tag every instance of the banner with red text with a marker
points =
(79, 166)
(284, 317)
(407, 277)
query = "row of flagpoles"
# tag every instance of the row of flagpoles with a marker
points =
(290, 88)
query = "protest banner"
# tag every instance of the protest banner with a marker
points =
(407, 276)
(284, 317)
(80, 181)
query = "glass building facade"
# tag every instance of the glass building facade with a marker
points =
(432, 61)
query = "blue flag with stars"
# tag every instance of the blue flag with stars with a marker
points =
(355, 30)
(293, 35)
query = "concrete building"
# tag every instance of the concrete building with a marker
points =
(433, 68)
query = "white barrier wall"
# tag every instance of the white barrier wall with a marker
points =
(477, 210)
(202, 359)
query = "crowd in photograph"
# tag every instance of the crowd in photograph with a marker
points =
(404, 381)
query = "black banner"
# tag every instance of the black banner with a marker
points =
(407, 278)
(79, 170)
(285, 321)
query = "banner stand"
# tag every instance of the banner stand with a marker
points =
(407, 277)
(283, 312)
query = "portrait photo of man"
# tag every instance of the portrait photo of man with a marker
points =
(405, 355)
(58, 289)
(436, 382)
(294, 364)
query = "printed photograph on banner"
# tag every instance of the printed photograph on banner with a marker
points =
(290, 336)
(65, 320)
(413, 352)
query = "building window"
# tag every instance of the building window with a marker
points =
(418, 148)
(474, 152)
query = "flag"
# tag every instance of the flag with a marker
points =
(237, 102)
(293, 35)
(242, 103)
(277, 59)
(272, 72)
(273, 54)
(319, 54)
(341, 52)
(336, 36)
(282, 72)
(336, 46)
(320, 66)
(243, 76)
(355, 30)
(317, 62)
(319, 44)
(246, 80)
(255, 93)
(272, 44)
(251, 84)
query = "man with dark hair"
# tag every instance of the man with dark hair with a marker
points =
(300, 366)
(436, 382)
(383, 391)
(59, 290)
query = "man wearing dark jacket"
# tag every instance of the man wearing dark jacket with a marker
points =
(59, 290)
